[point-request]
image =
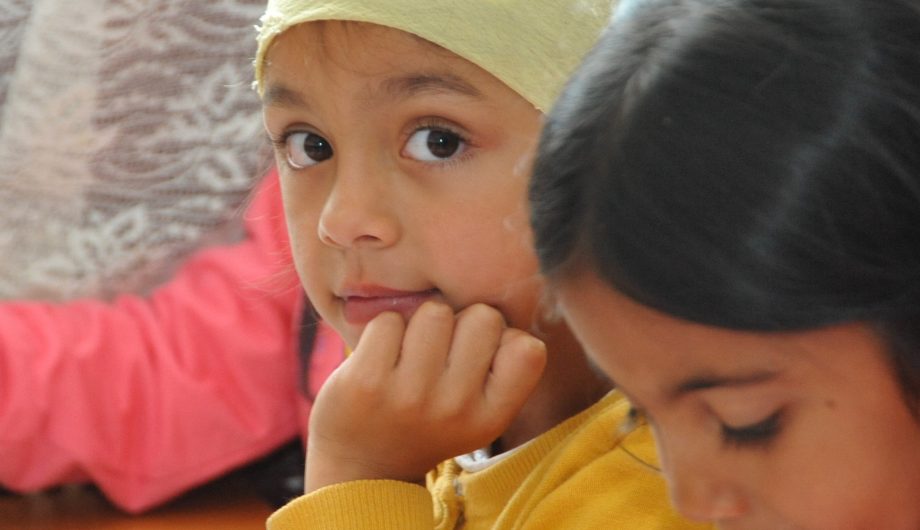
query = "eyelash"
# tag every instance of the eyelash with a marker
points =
(758, 435)
(280, 142)
(437, 124)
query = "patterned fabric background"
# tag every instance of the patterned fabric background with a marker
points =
(129, 136)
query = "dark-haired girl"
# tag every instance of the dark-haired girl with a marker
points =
(727, 201)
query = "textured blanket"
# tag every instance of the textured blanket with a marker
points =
(129, 136)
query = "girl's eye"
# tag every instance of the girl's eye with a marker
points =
(305, 149)
(432, 145)
(756, 435)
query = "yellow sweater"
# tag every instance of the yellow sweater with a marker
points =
(574, 476)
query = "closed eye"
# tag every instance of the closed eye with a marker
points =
(756, 435)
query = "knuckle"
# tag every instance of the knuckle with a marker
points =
(523, 342)
(483, 315)
(513, 336)
(359, 384)
(410, 404)
(454, 412)
(432, 314)
(385, 320)
(436, 309)
(366, 389)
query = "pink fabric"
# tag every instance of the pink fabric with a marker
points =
(148, 397)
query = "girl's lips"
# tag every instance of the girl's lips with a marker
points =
(362, 309)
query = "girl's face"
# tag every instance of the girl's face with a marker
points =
(768, 431)
(404, 171)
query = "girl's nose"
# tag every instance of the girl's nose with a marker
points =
(701, 487)
(701, 499)
(358, 213)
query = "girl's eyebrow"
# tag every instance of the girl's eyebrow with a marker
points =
(407, 86)
(705, 382)
(281, 96)
(402, 87)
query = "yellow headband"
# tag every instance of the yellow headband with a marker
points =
(531, 45)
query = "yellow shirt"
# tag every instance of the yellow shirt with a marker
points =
(575, 476)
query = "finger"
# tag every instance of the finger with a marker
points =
(365, 376)
(378, 348)
(477, 337)
(426, 344)
(515, 372)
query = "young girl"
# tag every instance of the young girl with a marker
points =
(727, 200)
(404, 134)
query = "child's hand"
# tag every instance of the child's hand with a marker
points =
(411, 396)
